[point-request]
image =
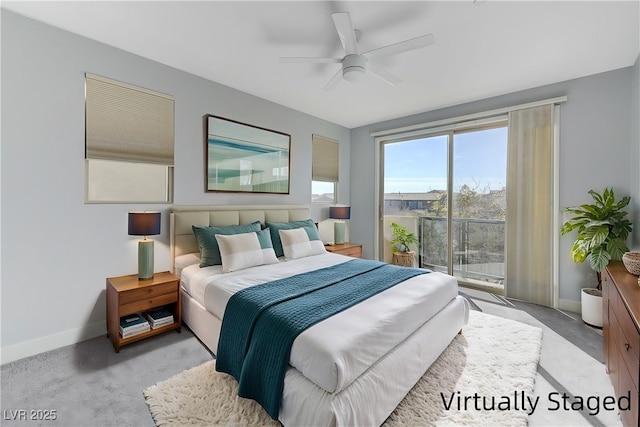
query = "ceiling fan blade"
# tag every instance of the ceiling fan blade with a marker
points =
(404, 46)
(383, 74)
(337, 77)
(346, 32)
(296, 60)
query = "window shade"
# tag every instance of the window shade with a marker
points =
(124, 122)
(325, 159)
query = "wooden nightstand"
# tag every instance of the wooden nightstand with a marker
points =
(349, 249)
(127, 295)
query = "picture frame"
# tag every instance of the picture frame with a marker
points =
(243, 158)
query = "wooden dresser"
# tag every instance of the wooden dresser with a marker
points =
(620, 316)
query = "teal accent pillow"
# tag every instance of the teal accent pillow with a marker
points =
(206, 237)
(264, 237)
(308, 225)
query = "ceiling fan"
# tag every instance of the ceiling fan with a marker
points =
(355, 64)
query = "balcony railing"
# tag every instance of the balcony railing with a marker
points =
(478, 248)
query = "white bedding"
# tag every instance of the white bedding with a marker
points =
(338, 350)
(377, 392)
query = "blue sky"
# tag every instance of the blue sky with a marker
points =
(421, 165)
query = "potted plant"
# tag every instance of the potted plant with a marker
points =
(401, 240)
(602, 233)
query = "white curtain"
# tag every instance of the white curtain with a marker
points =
(530, 196)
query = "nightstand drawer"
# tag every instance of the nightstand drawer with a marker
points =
(355, 252)
(147, 292)
(147, 304)
(348, 249)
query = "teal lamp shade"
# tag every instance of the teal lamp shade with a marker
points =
(144, 224)
(340, 213)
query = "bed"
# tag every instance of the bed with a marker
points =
(353, 368)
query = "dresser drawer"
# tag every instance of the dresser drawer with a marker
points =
(626, 387)
(147, 292)
(624, 336)
(626, 324)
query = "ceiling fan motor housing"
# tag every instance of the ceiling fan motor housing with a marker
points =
(353, 67)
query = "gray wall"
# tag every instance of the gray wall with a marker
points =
(598, 148)
(57, 250)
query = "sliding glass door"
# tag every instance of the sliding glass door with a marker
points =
(449, 189)
(415, 180)
(479, 202)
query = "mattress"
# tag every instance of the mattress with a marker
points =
(335, 352)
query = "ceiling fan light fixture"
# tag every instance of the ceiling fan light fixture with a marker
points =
(353, 67)
(353, 74)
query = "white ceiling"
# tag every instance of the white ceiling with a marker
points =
(481, 50)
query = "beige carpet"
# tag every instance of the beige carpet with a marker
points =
(492, 363)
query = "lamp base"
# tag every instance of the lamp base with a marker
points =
(338, 232)
(145, 259)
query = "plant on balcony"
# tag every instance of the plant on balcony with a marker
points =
(602, 233)
(402, 238)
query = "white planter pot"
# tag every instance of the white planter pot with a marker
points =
(591, 307)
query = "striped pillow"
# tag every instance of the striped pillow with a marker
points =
(275, 227)
(239, 251)
(297, 244)
(209, 250)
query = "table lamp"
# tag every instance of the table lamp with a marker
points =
(340, 213)
(144, 224)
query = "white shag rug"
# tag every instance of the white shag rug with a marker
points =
(494, 359)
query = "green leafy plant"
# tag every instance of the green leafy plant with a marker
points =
(402, 238)
(602, 230)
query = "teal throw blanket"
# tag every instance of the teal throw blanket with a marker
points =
(261, 322)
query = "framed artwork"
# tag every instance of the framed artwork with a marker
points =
(245, 158)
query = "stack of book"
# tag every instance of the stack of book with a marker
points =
(133, 324)
(159, 317)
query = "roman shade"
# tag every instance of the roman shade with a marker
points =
(325, 159)
(128, 123)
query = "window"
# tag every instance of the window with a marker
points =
(324, 170)
(323, 192)
(462, 170)
(129, 142)
(471, 219)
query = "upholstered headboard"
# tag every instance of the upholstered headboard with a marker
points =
(183, 241)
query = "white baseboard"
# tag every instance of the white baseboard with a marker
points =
(570, 305)
(73, 336)
(51, 342)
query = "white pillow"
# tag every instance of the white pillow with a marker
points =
(296, 244)
(239, 251)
